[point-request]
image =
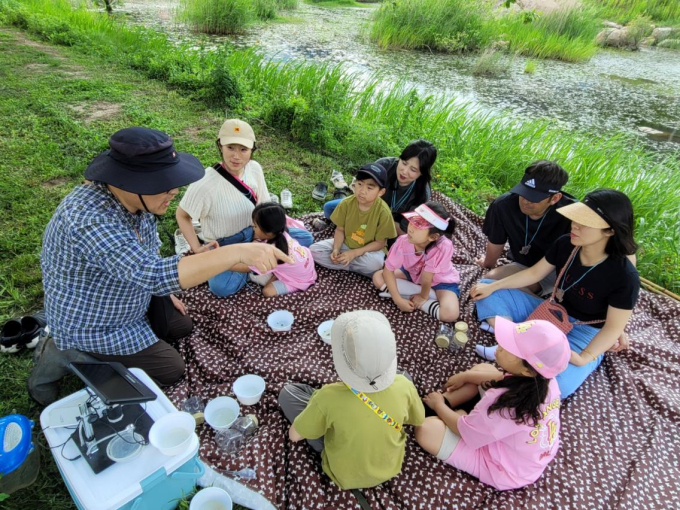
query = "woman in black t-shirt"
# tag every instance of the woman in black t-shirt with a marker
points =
(599, 283)
(408, 181)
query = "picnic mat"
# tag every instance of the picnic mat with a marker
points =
(620, 431)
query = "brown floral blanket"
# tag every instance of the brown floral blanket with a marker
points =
(620, 431)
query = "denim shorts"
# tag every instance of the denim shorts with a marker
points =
(453, 287)
(517, 306)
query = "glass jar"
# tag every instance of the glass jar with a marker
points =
(444, 336)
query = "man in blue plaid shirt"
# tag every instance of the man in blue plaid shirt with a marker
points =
(108, 292)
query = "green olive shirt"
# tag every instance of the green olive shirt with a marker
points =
(360, 450)
(364, 227)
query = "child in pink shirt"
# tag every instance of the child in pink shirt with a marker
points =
(512, 434)
(419, 265)
(269, 225)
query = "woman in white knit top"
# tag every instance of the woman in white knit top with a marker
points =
(223, 210)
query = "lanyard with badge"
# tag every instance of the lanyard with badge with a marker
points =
(380, 413)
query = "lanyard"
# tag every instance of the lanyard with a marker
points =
(561, 290)
(527, 245)
(403, 199)
(386, 418)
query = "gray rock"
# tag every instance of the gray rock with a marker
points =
(621, 38)
(670, 44)
(611, 24)
(647, 42)
(661, 34)
(601, 39)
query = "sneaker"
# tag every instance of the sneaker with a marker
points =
(338, 180)
(181, 244)
(320, 191)
(10, 341)
(286, 199)
(320, 224)
(274, 198)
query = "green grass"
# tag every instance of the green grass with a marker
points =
(530, 67)
(319, 108)
(452, 26)
(229, 16)
(624, 11)
(565, 34)
(309, 120)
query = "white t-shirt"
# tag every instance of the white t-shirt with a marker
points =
(223, 210)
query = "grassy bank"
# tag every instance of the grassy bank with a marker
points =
(624, 11)
(456, 26)
(59, 106)
(230, 16)
(319, 107)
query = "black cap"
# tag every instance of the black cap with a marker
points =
(374, 171)
(144, 161)
(533, 189)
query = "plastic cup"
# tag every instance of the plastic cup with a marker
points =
(324, 331)
(212, 498)
(172, 433)
(280, 320)
(249, 389)
(221, 412)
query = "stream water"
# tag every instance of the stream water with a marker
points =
(616, 91)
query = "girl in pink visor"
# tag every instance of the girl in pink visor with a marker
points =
(512, 433)
(418, 271)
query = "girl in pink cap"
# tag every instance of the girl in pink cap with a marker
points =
(418, 271)
(512, 434)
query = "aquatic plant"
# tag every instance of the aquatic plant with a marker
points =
(530, 67)
(216, 16)
(481, 154)
(453, 26)
(265, 9)
(491, 63)
(565, 34)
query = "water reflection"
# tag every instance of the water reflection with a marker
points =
(614, 92)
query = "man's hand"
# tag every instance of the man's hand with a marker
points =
(404, 304)
(418, 300)
(346, 257)
(178, 304)
(206, 247)
(434, 400)
(455, 381)
(262, 256)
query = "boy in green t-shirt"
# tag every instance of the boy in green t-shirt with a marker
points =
(360, 447)
(363, 225)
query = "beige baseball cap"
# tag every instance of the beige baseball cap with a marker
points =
(364, 350)
(236, 131)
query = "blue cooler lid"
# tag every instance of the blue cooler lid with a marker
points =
(15, 442)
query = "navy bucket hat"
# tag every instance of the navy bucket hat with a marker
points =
(144, 161)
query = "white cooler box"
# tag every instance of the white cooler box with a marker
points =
(152, 481)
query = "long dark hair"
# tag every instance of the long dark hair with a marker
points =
(271, 218)
(426, 153)
(445, 215)
(523, 398)
(617, 210)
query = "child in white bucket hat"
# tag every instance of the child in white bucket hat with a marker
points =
(357, 424)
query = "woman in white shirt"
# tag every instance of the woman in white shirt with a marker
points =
(223, 202)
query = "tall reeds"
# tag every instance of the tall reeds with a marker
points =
(229, 16)
(453, 26)
(623, 11)
(566, 34)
